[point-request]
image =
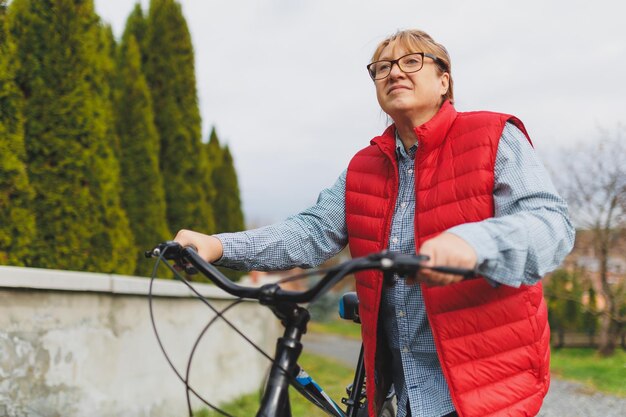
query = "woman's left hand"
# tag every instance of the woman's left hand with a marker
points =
(446, 249)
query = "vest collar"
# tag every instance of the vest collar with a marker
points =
(429, 135)
(432, 133)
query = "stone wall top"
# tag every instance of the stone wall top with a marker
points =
(59, 280)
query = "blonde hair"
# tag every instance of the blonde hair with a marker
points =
(414, 40)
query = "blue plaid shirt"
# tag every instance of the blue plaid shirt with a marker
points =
(529, 236)
(417, 374)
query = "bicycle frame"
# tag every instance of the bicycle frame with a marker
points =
(353, 402)
(275, 401)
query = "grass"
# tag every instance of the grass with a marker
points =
(584, 365)
(330, 375)
(339, 327)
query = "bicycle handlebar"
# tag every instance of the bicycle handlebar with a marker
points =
(385, 261)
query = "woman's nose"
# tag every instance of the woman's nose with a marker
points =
(395, 70)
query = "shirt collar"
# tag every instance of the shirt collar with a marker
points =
(401, 152)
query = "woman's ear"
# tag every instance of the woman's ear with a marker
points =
(445, 83)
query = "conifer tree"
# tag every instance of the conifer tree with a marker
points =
(211, 158)
(143, 197)
(109, 44)
(170, 72)
(17, 221)
(119, 239)
(137, 25)
(214, 150)
(63, 75)
(228, 213)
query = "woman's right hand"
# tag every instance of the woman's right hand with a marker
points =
(209, 247)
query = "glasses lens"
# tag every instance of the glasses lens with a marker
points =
(380, 69)
(411, 63)
(408, 63)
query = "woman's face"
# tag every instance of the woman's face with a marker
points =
(414, 97)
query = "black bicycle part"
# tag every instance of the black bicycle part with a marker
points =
(275, 401)
(401, 264)
(355, 390)
(387, 410)
(283, 303)
(356, 401)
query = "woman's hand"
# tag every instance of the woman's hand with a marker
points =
(446, 249)
(209, 247)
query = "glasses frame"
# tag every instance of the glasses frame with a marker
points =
(397, 61)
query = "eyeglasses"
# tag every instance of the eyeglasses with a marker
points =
(408, 63)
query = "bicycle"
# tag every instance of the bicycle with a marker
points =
(284, 304)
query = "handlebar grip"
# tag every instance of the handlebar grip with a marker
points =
(192, 247)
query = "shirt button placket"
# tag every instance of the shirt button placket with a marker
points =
(401, 319)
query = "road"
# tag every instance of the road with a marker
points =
(565, 399)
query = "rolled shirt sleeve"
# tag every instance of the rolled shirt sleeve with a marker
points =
(530, 233)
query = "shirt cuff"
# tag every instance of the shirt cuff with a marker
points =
(228, 249)
(485, 247)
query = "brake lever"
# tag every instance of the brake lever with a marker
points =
(172, 250)
(187, 267)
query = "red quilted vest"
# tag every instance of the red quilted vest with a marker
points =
(493, 343)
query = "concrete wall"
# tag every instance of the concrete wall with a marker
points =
(78, 344)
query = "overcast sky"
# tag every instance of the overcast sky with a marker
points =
(285, 84)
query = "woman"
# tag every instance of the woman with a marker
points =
(467, 190)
